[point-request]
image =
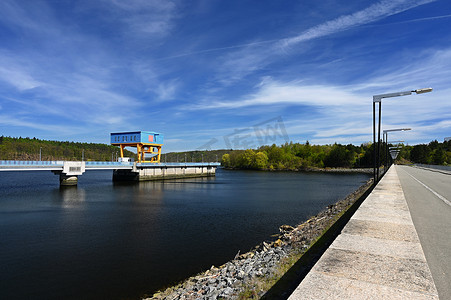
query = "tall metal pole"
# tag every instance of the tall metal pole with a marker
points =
(379, 141)
(40, 153)
(374, 143)
(384, 163)
(387, 160)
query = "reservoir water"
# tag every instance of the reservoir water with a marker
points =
(103, 240)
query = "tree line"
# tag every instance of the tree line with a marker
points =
(12, 148)
(296, 156)
(434, 153)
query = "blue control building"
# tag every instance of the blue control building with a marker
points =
(145, 142)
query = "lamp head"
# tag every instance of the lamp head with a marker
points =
(422, 91)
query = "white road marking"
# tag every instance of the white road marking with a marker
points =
(432, 191)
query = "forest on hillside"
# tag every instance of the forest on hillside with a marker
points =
(20, 148)
(296, 156)
(434, 153)
(289, 156)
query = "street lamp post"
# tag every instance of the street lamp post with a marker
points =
(385, 138)
(396, 147)
(378, 99)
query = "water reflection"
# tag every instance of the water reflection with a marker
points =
(153, 192)
(70, 196)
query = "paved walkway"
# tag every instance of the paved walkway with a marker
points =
(377, 256)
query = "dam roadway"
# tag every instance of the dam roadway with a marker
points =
(396, 246)
(428, 194)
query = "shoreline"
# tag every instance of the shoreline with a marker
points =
(312, 169)
(255, 273)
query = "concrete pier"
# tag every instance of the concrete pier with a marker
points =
(70, 172)
(67, 180)
(146, 172)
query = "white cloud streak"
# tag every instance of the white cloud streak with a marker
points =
(8, 120)
(146, 17)
(276, 93)
(370, 14)
(18, 78)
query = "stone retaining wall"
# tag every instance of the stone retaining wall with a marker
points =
(253, 274)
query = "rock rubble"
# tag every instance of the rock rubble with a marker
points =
(244, 273)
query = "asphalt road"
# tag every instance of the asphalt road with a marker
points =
(428, 195)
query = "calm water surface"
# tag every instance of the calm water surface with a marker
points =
(102, 240)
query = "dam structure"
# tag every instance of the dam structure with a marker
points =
(69, 171)
(125, 169)
(163, 171)
(150, 168)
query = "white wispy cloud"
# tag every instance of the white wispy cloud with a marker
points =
(167, 90)
(149, 17)
(8, 120)
(370, 14)
(20, 79)
(271, 92)
(88, 98)
(35, 17)
(430, 67)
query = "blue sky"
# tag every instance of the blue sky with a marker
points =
(224, 74)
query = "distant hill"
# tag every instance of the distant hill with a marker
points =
(12, 148)
(196, 156)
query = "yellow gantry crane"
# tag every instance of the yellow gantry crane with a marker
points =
(146, 142)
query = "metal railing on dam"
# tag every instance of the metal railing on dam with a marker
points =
(129, 171)
(25, 165)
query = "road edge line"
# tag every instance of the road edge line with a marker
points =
(446, 201)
